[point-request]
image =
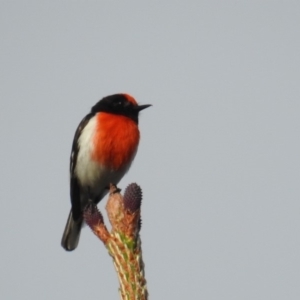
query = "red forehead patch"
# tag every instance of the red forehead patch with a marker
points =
(130, 99)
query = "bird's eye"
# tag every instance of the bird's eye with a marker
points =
(118, 103)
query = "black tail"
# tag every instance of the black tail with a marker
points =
(71, 234)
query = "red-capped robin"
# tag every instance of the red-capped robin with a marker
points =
(104, 146)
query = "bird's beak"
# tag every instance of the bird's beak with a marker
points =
(141, 107)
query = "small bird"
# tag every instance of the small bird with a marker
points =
(104, 146)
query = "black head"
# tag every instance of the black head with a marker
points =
(120, 104)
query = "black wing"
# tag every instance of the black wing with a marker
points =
(74, 184)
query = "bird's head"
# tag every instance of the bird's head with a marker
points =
(119, 104)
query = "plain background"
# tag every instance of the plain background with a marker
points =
(219, 155)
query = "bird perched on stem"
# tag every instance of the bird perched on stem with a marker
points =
(104, 146)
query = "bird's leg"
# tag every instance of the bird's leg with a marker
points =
(114, 189)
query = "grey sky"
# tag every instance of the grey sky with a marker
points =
(219, 155)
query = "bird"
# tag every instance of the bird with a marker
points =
(104, 146)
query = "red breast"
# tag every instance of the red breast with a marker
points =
(116, 139)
